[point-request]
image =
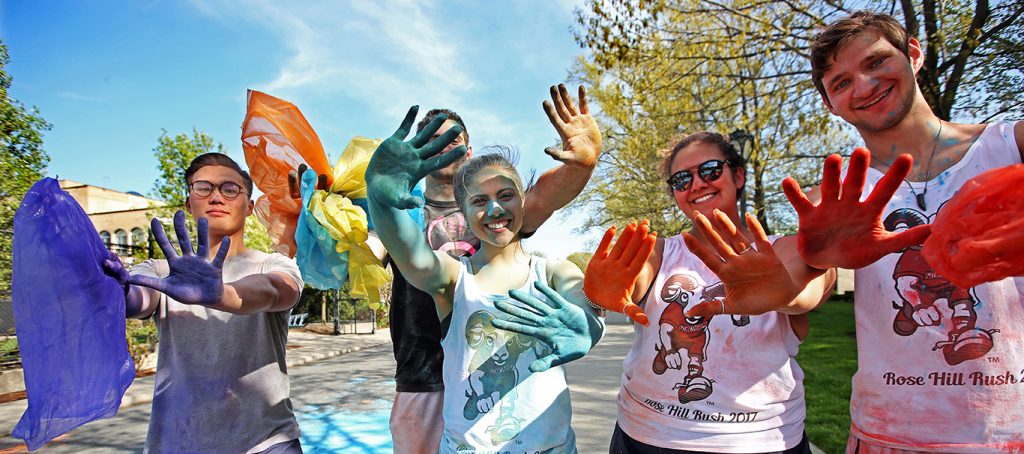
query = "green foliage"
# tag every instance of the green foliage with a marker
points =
(173, 155)
(142, 339)
(9, 350)
(664, 68)
(256, 236)
(829, 359)
(22, 161)
(580, 259)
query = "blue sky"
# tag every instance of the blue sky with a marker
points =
(111, 75)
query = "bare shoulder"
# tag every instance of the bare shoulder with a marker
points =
(1018, 133)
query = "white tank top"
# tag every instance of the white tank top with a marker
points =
(957, 386)
(492, 402)
(719, 384)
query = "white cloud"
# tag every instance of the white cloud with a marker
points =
(76, 96)
(380, 54)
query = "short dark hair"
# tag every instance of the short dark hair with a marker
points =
(217, 159)
(433, 113)
(720, 141)
(840, 32)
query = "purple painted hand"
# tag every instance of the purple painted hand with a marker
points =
(193, 279)
(114, 268)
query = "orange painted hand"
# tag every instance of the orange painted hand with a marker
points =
(611, 275)
(841, 231)
(755, 280)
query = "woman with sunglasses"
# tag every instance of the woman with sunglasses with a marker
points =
(697, 379)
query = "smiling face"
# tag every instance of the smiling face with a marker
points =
(493, 206)
(705, 196)
(226, 217)
(870, 83)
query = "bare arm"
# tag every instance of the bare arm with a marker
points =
(567, 279)
(581, 140)
(1018, 132)
(816, 284)
(392, 173)
(272, 292)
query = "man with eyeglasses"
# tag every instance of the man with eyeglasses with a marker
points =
(222, 318)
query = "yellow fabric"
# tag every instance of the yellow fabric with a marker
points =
(347, 222)
(349, 171)
(343, 220)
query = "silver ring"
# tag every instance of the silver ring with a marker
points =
(748, 249)
(722, 302)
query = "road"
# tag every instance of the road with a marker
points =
(343, 403)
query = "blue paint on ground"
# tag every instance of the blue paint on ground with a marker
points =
(343, 430)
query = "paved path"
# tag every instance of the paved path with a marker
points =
(343, 403)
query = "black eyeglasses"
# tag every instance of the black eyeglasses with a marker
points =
(708, 171)
(204, 189)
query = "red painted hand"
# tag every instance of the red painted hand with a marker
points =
(841, 231)
(755, 280)
(611, 275)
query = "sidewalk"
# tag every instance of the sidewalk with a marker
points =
(303, 348)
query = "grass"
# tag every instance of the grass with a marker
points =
(829, 358)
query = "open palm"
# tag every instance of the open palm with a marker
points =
(841, 231)
(192, 279)
(581, 138)
(755, 280)
(556, 322)
(397, 165)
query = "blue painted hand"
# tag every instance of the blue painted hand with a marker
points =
(193, 279)
(556, 322)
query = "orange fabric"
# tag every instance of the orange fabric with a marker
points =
(611, 275)
(276, 138)
(978, 236)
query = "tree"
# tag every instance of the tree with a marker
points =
(22, 162)
(174, 154)
(679, 66)
(580, 259)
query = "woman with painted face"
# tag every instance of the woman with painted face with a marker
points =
(698, 379)
(509, 319)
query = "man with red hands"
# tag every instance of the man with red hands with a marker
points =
(908, 396)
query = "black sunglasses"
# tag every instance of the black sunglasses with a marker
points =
(204, 189)
(708, 171)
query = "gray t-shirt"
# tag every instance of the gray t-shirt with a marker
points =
(221, 380)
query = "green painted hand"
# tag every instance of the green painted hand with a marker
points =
(398, 165)
(556, 322)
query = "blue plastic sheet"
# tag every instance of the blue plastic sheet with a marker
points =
(69, 318)
(321, 266)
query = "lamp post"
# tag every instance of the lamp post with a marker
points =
(745, 144)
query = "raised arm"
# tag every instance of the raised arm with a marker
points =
(391, 175)
(581, 146)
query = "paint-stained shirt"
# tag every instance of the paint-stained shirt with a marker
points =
(221, 380)
(710, 384)
(956, 382)
(493, 403)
